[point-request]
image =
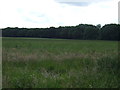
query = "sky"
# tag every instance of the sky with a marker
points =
(48, 13)
(119, 12)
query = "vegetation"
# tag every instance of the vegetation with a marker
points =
(60, 63)
(81, 31)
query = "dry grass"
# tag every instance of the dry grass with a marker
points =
(16, 54)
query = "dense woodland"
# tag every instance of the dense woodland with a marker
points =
(81, 31)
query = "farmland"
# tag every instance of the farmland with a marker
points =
(59, 63)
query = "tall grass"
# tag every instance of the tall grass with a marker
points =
(57, 63)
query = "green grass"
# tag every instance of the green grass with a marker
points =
(60, 63)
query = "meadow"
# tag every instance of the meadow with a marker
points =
(59, 63)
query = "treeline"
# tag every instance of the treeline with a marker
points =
(81, 31)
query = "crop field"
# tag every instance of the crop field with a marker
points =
(59, 63)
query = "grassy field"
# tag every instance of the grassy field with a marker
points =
(57, 63)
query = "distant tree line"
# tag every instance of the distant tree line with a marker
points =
(81, 31)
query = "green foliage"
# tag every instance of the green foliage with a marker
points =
(110, 32)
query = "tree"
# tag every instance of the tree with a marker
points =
(110, 32)
(81, 31)
(98, 26)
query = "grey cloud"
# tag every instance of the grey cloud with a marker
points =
(80, 2)
(76, 3)
(90, 1)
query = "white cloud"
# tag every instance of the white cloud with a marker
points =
(46, 13)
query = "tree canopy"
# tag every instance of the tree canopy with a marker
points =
(81, 31)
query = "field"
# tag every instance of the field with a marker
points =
(59, 63)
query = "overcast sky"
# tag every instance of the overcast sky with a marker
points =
(47, 13)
